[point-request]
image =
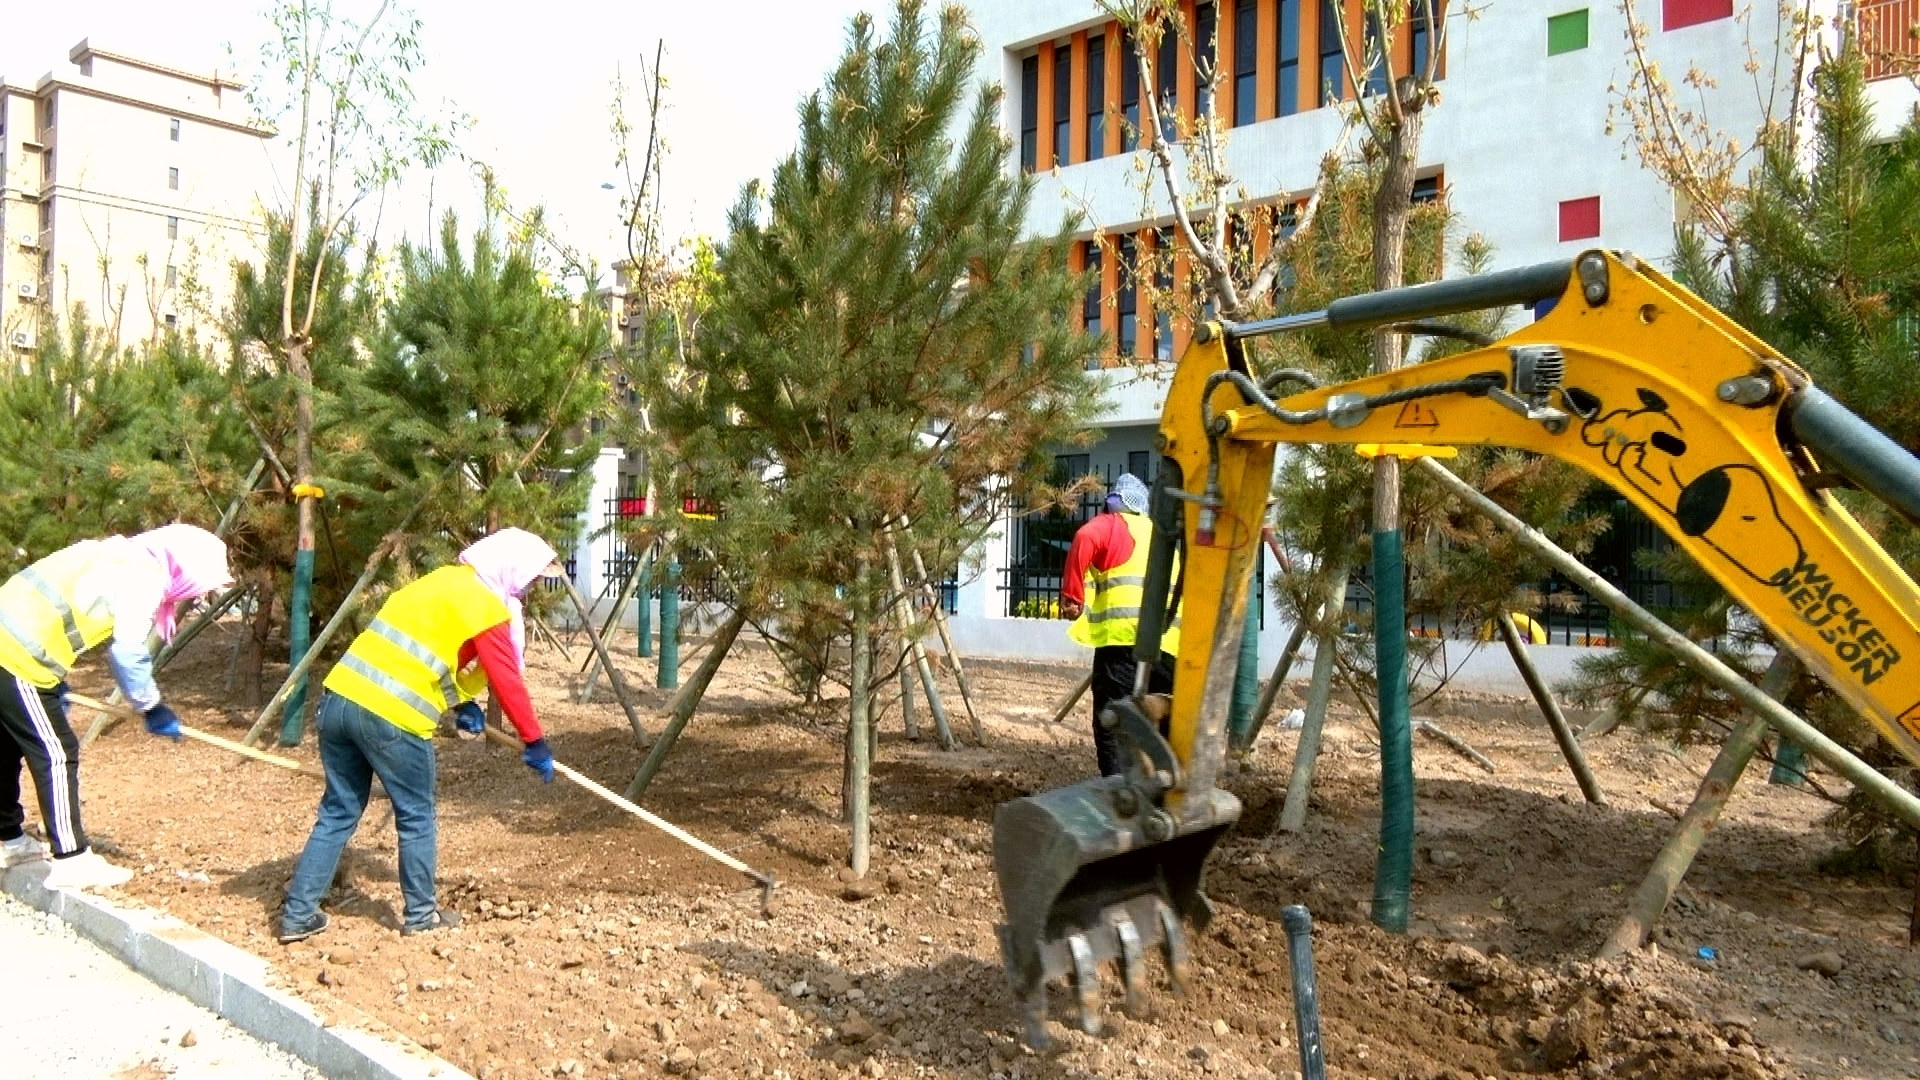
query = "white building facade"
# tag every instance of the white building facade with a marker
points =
(1527, 143)
(128, 188)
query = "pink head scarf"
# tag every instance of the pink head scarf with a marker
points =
(507, 562)
(196, 564)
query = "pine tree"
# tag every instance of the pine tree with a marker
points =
(882, 349)
(482, 366)
(1823, 263)
(267, 391)
(94, 442)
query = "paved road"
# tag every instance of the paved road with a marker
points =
(72, 1012)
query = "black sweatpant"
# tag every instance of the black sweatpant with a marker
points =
(34, 729)
(1113, 673)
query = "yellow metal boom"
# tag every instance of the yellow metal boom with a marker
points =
(1630, 376)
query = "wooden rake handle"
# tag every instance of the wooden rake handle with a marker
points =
(128, 712)
(765, 880)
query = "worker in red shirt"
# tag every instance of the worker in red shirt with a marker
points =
(436, 643)
(1109, 557)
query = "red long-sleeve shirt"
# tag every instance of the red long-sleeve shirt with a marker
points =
(1101, 544)
(493, 647)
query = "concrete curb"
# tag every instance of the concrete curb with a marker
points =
(228, 981)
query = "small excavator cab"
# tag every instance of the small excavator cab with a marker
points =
(1101, 871)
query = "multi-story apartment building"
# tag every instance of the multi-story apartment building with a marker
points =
(1526, 143)
(127, 189)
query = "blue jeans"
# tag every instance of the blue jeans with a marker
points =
(355, 746)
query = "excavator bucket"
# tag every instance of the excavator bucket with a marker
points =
(1091, 873)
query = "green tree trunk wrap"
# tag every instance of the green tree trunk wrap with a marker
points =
(299, 634)
(669, 674)
(1393, 874)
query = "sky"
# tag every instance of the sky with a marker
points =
(538, 90)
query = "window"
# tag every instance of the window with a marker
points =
(1246, 58)
(1129, 93)
(173, 129)
(1163, 294)
(1127, 297)
(1138, 463)
(173, 178)
(1420, 39)
(1166, 76)
(1070, 467)
(1580, 218)
(173, 228)
(1096, 98)
(173, 277)
(1062, 104)
(173, 322)
(1426, 189)
(1375, 50)
(1286, 83)
(1206, 26)
(1567, 32)
(1029, 112)
(1675, 14)
(1333, 69)
(1090, 307)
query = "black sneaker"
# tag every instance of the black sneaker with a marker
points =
(292, 932)
(441, 919)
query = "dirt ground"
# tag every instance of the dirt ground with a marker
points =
(594, 946)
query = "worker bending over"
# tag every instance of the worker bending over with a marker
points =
(435, 643)
(121, 587)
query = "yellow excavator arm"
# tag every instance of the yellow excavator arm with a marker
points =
(1719, 439)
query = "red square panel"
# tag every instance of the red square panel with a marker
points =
(1678, 13)
(1580, 218)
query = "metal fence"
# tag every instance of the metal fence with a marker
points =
(1037, 544)
(621, 558)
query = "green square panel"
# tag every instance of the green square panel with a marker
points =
(1567, 33)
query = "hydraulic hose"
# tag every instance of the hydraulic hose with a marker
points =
(1881, 467)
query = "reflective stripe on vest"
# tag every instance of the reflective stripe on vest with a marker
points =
(401, 667)
(1114, 597)
(393, 686)
(65, 610)
(44, 633)
(449, 692)
(24, 638)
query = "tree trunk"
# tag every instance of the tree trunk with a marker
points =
(259, 635)
(1270, 692)
(1392, 205)
(300, 602)
(1550, 708)
(1306, 751)
(1670, 866)
(859, 750)
(686, 701)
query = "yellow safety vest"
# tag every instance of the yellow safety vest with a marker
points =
(1114, 597)
(42, 630)
(402, 667)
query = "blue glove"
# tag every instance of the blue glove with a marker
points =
(469, 717)
(162, 721)
(539, 759)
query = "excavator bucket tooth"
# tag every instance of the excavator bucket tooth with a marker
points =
(1086, 983)
(1133, 965)
(1174, 940)
(1074, 870)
